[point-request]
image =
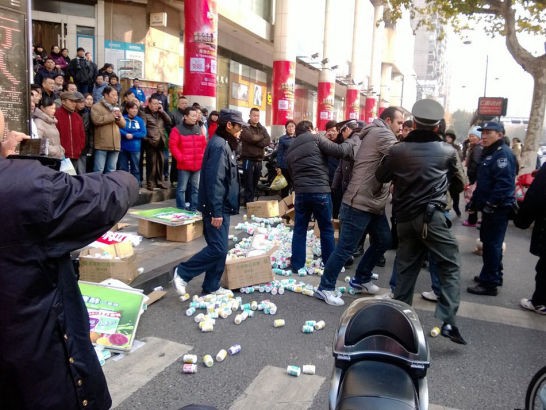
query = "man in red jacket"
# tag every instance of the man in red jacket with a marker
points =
(72, 131)
(187, 145)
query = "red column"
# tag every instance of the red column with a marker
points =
(369, 109)
(352, 104)
(284, 80)
(325, 109)
(200, 48)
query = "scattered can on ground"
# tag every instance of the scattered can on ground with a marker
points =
(190, 311)
(207, 327)
(307, 329)
(308, 369)
(189, 368)
(293, 371)
(207, 360)
(310, 323)
(190, 358)
(234, 349)
(347, 279)
(184, 297)
(321, 324)
(278, 323)
(221, 355)
(435, 331)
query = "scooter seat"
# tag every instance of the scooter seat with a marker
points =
(377, 385)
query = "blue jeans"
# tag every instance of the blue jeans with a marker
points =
(128, 161)
(320, 205)
(211, 259)
(354, 223)
(183, 178)
(492, 233)
(105, 161)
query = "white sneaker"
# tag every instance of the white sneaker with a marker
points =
(430, 296)
(179, 283)
(222, 292)
(368, 287)
(329, 296)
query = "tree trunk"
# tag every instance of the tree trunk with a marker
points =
(536, 122)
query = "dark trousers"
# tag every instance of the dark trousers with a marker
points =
(251, 175)
(154, 166)
(492, 233)
(286, 191)
(211, 259)
(539, 296)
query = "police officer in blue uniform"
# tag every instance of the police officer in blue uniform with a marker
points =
(494, 197)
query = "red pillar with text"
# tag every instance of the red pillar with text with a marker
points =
(284, 80)
(352, 103)
(200, 51)
(325, 98)
(369, 109)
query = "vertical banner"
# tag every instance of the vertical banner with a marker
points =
(369, 109)
(284, 79)
(200, 47)
(326, 97)
(352, 104)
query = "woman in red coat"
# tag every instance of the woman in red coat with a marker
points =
(187, 145)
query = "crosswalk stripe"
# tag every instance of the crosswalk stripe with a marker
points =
(279, 390)
(490, 313)
(143, 365)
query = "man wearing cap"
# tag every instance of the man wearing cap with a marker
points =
(422, 167)
(218, 200)
(363, 208)
(494, 197)
(71, 130)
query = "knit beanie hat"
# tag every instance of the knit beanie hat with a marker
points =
(474, 131)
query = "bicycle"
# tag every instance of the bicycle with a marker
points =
(535, 398)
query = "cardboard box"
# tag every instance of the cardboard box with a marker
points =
(185, 233)
(335, 222)
(248, 271)
(150, 229)
(286, 208)
(98, 269)
(263, 209)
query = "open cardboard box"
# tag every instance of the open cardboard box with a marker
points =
(122, 266)
(248, 271)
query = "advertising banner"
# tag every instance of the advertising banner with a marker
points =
(326, 98)
(200, 46)
(352, 104)
(128, 58)
(284, 79)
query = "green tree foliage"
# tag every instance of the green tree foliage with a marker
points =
(506, 18)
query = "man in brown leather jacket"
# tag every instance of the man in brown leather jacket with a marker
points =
(254, 139)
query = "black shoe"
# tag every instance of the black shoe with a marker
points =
(359, 252)
(482, 290)
(452, 333)
(478, 280)
(349, 262)
(381, 262)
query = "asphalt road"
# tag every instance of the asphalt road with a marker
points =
(506, 346)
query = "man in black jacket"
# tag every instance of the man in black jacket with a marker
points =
(422, 167)
(307, 160)
(47, 360)
(532, 209)
(218, 200)
(82, 72)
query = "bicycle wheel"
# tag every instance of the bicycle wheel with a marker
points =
(535, 399)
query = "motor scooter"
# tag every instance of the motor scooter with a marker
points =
(381, 358)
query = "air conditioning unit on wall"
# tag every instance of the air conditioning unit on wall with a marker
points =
(158, 19)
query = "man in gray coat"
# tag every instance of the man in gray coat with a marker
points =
(363, 209)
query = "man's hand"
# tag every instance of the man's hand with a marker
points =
(10, 143)
(217, 222)
(129, 136)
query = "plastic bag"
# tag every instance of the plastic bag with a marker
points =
(279, 183)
